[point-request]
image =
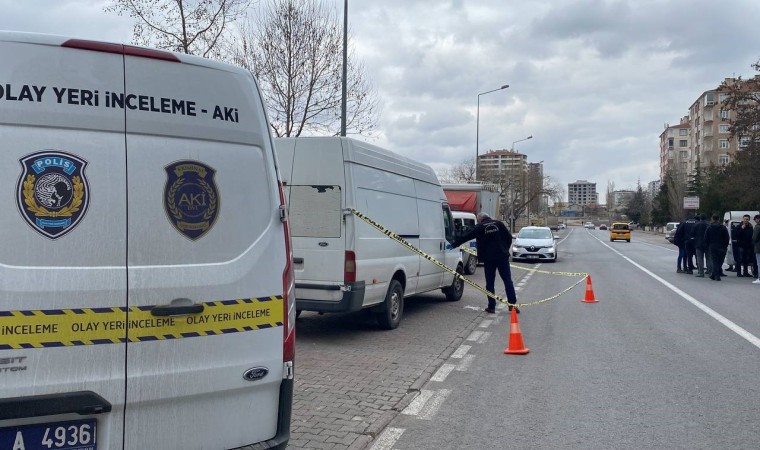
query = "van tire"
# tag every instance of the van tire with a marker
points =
(454, 292)
(472, 265)
(393, 308)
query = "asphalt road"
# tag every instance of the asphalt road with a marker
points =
(662, 360)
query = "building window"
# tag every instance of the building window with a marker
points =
(723, 160)
(709, 99)
(683, 154)
(670, 142)
(724, 143)
(744, 141)
(723, 128)
(683, 143)
(683, 132)
(725, 114)
(722, 98)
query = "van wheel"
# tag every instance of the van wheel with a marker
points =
(472, 265)
(393, 308)
(454, 292)
(628, 240)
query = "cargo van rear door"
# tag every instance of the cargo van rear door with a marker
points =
(206, 258)
(63, 252)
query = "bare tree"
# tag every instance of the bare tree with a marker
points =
(514, 190)
(294, 49)
(463, 172)
(188, 26)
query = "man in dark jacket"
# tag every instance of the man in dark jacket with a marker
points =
(493, 239)
(698, 237)
(688, 226)
(680, 242)
(716, 240)
(743, 237)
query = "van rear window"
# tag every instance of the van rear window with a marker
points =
(314, 211)
(620, 226)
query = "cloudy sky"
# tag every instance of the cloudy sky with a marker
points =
(593, 81)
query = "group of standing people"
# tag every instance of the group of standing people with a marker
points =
(702, 247)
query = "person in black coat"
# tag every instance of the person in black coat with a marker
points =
(688, 226)
(680, 242)
(493, 240)
(698, 237)
(717, 239)
(743, 237)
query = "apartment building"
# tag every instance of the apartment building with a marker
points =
(704, 134)
(582, 193)
(508, 162)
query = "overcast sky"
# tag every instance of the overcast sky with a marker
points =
(593, 81)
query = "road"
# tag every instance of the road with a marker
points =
(662, 360)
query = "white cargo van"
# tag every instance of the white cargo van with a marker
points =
(146, 298)
(341, 262)
(464, 222)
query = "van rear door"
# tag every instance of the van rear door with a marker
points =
(206, 258)
(63, 252)
(313, 171)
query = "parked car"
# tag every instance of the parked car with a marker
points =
(535, 244)
(562, 226)
(670, 230)
(590, 225)
(603, 226)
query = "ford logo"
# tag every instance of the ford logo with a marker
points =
(323, 244)
(255, 373)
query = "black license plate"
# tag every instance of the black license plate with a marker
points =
(70, 435)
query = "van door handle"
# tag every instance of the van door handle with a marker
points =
(177, 307)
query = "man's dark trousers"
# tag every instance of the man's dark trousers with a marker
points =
(490, 268)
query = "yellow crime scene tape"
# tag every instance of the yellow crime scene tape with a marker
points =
(93, 326)
(498, 298)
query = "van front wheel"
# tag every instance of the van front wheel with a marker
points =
(393, 308)
(454, 292)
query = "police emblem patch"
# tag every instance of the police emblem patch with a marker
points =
(52, 192)
(191, 198)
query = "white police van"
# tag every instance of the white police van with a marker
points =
(147, 285)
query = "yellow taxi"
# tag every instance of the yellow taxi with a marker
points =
(620, 230)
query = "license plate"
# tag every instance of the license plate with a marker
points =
(72, 435)
(532, 256)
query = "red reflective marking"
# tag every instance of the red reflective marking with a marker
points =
(120, 49)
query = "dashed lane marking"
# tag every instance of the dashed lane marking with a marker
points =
(461, 351)
(474, 336)
(443, 372)
(387, 439)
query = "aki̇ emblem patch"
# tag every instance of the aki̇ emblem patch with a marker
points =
(52, 192)
(191, 198)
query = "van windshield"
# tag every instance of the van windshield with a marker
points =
(314, 211)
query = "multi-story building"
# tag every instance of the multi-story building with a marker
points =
(620, 200)
(582, 193)
(506, 162)
(676, 149)
(704, 134)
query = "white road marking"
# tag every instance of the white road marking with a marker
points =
(476, 308)
(461, 351)
(474, 336)
(486, 323)
(484, 337)
(387, 439)
(414, 408)
(752, 339)
(442, 372)
(434, 404)
(466, 363)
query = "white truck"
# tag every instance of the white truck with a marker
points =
(341, 262)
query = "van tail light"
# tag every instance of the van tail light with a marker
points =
(349, 267)
(288, 287)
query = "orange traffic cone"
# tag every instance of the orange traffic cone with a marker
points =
(516, 346)
(589, 292)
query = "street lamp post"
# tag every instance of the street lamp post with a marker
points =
(520, 140)
(477, 126)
